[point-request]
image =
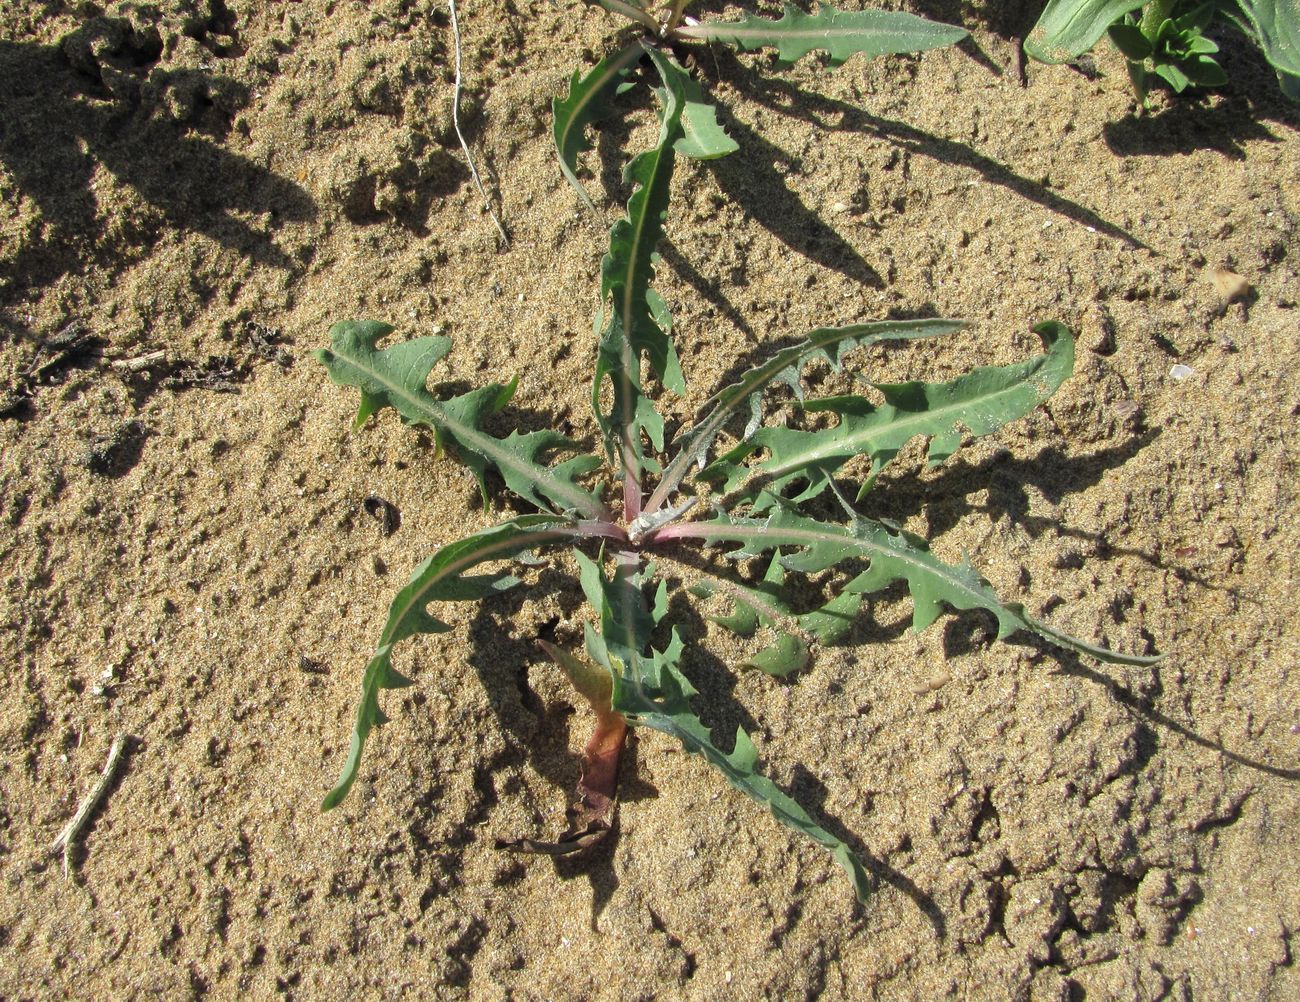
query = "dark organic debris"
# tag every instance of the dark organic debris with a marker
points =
(220, 373)
(265, 343)
(384, 512)
(115, 454)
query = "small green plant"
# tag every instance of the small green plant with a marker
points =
(1166, 38)
(840, 34)
(766, 491)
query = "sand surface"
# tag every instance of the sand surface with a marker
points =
(192, 192)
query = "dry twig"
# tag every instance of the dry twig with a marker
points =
(68, 837)
(455, 121)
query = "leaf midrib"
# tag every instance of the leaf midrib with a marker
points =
(484, 443)
(470, 559)
(846, 446)
(745, 533)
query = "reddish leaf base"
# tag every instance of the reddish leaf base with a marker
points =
(592, 814)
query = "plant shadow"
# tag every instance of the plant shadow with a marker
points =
(96, 100)
(811, 793)
(1052, 472)
(1194, 122)
(540, 733)
(1142, 705)
(831, 114)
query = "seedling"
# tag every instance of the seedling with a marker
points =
(1166, 38)
(840, 34)
(735, 479)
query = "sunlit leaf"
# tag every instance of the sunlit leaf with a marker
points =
(441, 578)
(839, 33)
(588, 101)
(396, 377)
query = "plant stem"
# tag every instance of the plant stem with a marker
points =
(595, 527)
(631, 496)
(675, 18)
(678, 530)
(1154, 15)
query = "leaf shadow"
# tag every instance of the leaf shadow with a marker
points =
(1051, 471)
(833, 114)
(756, 183)
(1010, 19)
(1142, 705)
(708, 290)
(75, 107)
(502, 663)
(810, 792)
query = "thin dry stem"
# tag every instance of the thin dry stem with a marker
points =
(68, 837)
(455, 121)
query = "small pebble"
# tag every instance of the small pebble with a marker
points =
(933, 684)
(1127, 409)
(1229, 285)
(1180, 372)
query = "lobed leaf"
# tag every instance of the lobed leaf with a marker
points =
(702, 137)
(651, 691)
(1069, 28)
(826, 343)
(439, 578)
(588, 101)
(762, 604)
(983, 400)
(637, 316)
(891, 556)
(839, 33)
(396, 377)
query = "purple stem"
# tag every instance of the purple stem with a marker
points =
(682, 530)
(595, 527)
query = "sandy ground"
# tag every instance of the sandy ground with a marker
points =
(194, 191)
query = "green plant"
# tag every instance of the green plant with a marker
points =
(1167, 37)
(840, 34)
(765, 487)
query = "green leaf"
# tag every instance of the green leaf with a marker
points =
(785, 657)
(1128, 38)
(1203, 72)
(626, 272)
(702, 137)
(977, 403)
(1274, 26)
(440, 578)
(396, 377)
(1069, 28)
(588, 101)
(826, 343)
(651, 691)
(892, 556)
(1195, 20)
(1173, 76)
(633, 11)
(839, 33)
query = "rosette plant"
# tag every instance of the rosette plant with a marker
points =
(734, 505)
